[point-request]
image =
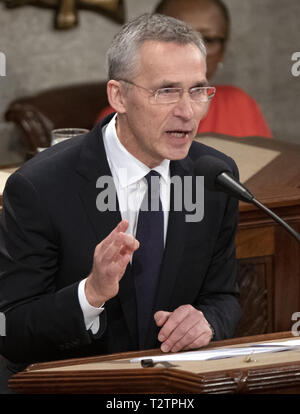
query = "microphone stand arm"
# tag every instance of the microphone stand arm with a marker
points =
(276, 218)
(226, 182)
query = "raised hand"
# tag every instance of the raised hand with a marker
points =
(111, 258)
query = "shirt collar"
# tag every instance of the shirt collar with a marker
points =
(128, 169)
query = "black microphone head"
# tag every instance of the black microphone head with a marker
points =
(218, 176)
(210, 168)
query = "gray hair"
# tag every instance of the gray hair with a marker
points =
(123, 53)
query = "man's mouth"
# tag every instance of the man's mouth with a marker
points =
(179, 133)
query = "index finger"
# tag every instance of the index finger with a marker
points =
(120, 228)
(174, 319)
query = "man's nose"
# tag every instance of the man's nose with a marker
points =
(184, 107)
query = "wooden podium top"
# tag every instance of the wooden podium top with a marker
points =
(262, 373)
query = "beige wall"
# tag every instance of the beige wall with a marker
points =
(265, 34)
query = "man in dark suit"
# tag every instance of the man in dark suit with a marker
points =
(69, 281)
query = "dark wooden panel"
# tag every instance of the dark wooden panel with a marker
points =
(256, 284)
(255, 242)
(278, 187)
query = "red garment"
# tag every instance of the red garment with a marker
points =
(231, 112)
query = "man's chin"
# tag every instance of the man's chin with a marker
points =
(179, 153)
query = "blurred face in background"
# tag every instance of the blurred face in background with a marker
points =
(208, 19)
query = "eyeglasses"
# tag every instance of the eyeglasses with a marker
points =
(200, 94)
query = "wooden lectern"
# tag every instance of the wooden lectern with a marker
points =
(267, 373)
(269, 257)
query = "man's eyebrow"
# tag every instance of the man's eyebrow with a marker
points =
(201, 83)
(169, 84)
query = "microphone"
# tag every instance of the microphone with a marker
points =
(218, 176)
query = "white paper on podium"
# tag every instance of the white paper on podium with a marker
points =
(221, 353)
(249, 158)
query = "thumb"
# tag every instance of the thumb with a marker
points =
(161, 317)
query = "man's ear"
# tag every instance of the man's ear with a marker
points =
(115, 95)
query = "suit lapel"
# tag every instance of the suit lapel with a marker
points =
(92, 165)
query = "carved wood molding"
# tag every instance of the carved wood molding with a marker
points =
(255, 283)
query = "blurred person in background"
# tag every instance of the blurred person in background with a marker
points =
(232, 112)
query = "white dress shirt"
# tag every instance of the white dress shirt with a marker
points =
(128, 175)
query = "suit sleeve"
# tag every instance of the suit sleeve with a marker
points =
(42, 323)
(219, 299)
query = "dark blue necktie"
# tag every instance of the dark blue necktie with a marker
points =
(147, 259)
